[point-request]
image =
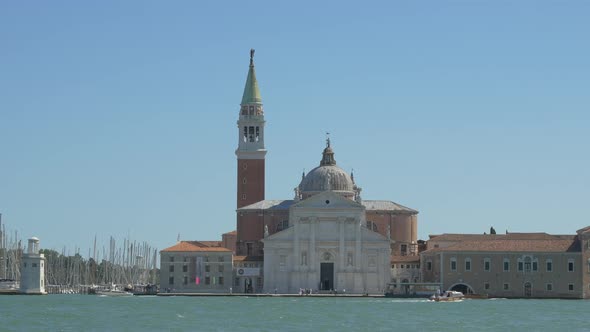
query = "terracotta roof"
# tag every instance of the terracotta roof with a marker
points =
(514, 245)
(405, 259)
(192, 246)
(509, 236)
(231, 233)
(248, 258)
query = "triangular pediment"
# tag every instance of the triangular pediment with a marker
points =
(328, 200)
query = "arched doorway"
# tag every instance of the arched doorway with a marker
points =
(406, 286)
(463, 288)
(528, 289)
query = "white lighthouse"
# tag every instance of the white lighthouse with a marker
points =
(32, 277)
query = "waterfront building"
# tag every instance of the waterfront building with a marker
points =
(196, 267)
(32, 279)
(510, 265)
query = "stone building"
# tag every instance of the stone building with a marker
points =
(327, 237)
(510, 265)
(196, 267)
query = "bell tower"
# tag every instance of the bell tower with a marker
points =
(250, 151)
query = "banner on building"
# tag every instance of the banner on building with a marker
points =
(248, 272)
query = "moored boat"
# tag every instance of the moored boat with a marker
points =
(9, 286)
(113, 291)
(448, 296)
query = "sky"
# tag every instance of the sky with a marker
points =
(118, 118)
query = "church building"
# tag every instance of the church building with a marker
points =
(327, 238)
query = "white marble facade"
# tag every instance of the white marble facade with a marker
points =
(327, 248)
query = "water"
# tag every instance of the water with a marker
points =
(151, 313)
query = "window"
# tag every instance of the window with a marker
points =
(520, 265)
(25, 264)
(206, 258)
(185, 280)
(33, 264)
(259, 283)
(170, 280)
(171, 268)
(486, 264)
(243, 196)
(570, 287)
(207, 280)
(429, 266)
(171, 258)
(549, 287)
(282, 225)
(244, 180)
(207, 268)
(486, 286)
(570, 265)
(221, 258)
(404, 249)
(41, 264)
(453, 264)
(527, 264)
(185, 268)
(237, 282)
(221, 280)
(506, 265)
(549, 265)
(220, 267)
(467, 264)
(249, 249)
(506, 286)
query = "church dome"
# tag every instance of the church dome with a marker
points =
(324, 178)
(327, 176)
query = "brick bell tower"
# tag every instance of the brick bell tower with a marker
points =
(250, 151)
(251, 154)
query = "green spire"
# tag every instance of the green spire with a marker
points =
(251, 91)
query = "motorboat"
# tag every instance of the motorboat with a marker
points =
(448, 296)
(9, 286)
(114, 290)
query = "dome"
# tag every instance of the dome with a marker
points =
(327, 176)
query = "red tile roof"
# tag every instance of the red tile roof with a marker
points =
(506, 245)
(248, 258)
(192, 246)
(405, 259)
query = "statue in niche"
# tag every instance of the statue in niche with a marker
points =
(265, 230)
(389, 231)
(349, 260)
(304, 258)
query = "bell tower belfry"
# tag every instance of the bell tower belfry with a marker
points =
(250, 151)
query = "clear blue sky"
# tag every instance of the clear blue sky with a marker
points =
(119, 117)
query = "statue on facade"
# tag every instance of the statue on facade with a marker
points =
(265, 230)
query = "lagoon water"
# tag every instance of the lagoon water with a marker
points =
(152, 313)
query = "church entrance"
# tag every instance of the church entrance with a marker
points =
(326, 276)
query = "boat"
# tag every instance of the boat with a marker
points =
(9, 286)
(448, 296)
(112, 291)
